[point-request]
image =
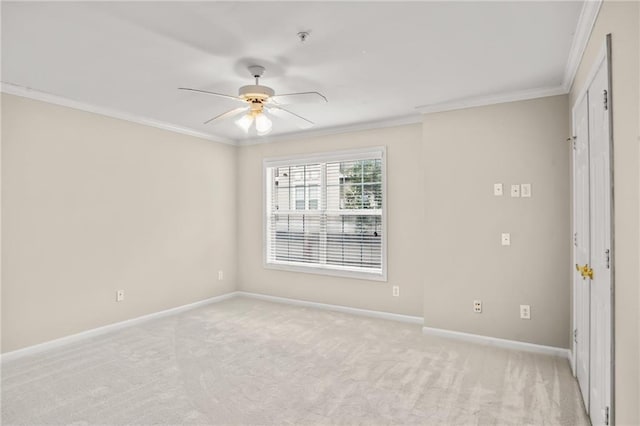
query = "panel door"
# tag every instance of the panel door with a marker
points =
(582, 245)
(600, 251)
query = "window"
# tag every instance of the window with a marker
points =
(325, 213)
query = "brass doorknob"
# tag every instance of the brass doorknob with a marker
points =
(585, 271)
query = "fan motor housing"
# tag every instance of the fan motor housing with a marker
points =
(255, 91)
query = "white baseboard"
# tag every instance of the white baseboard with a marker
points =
(41, 347)
(572, 360)
(30, 350)
(510, 344)
(337, 308)
(494, 341)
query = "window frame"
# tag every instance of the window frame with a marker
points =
(378, 152)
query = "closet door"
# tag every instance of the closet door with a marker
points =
(581, 223)
(600, 250)
(593, 241)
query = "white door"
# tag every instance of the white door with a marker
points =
(593, 192)
(582, 243)
(601, 261)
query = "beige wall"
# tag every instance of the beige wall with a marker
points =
(404, 218)
(465, 153)
(622, 20)
(92, 204)
(166, 261)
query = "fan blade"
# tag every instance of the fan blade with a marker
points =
(228, 114)
(300, 121)
(298, 98)
(221, 95)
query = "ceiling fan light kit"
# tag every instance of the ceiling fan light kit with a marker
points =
(261, 100)
(263, 124)
(245, 122)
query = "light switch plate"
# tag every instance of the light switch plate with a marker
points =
(506, 239)
(497, 189)
(525, 190)
(515, 190)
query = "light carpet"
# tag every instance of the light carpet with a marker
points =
(246, 361)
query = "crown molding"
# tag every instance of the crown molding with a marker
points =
(368, 125)
(26, 92)
(584, 27)
(586, 22)
(520, 95)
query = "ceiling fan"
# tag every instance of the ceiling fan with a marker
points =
(259, 102)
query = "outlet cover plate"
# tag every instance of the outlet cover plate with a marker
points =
(525, 312)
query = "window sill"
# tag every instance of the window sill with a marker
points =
(324, 270)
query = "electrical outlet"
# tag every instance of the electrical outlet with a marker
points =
(477, 306)
(525, 312)
(497, 189)
(396, 290)
(119, 295)
(525, 190)
(220, 275)
(506, 239)
(515, 190)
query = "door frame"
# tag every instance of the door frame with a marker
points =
(612, 388)
(603, 56)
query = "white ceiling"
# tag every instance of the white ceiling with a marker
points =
(373, 60)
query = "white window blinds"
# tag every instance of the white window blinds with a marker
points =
(325, 213)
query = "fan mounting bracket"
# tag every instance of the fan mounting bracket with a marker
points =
(256, 71)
